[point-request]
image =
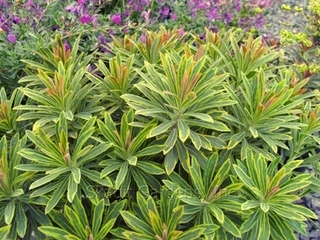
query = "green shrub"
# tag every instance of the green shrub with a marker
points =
(174, 137)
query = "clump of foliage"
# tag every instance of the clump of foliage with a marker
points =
(167, 137)
(301, 49)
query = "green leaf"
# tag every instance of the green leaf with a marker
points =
(150, 168)
(246, 180)
(162, 128)
(217, 212)
(94, 176)
(294, 184)
(57, 233)
(132, 160)
(286, 212)
(108, 128)
(183, 130)
(249, 204)
(76, 174)
(121, 175)
(231, 227)
(155, 222)
(56, 196)
(302, 210)
(171, 141)
(105, 229)
(136, 223)
(183, 155)
(196, 177)
(46, 179)
(22, 221)
(150, 150)
(112, 166)
(101, 148)
(254, 132)
(264, 226)
(250, 222)
(193, 233)
(32, 168)
(170, 160)
(17, 192)
(61, 220)
(97, 217)
(235, 139)
(201, 116)
(9, 212)
(4, 231)
(196, 140)
(264, 206)
(72, 189)
(42, 159)
(176, 214)
(74, 221)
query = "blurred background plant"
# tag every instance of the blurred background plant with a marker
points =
(301, 48)
(27, 26)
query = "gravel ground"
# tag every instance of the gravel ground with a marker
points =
(278, 19)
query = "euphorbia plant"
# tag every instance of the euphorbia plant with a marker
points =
(131, 163)
(184, 96)
(209, 196)
(270, 194)
(59, 85)
(61, 165)
(74, 222)
(20, 215)
(160, 220)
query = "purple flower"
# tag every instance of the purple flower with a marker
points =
(85, 19)
(259, 21)
(69, 8)
(29, 3)
(237, 5)
(11, 38)
(116, 18)
(174, 16)
(55, 27)
(101, 38)
(228, 18)
(143, 37)
(4, 3)
(212, 14)
(15, 19)
(146, 15)
(164, 11)
(76, 9)
(261, 3)
(81, 1)
(66, 46)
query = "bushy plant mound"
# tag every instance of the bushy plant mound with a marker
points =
(127, 126)
(169, 136)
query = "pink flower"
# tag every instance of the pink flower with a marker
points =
(11, 38)
(146, 15)
(29, 3)
(116, 18)
(85, 19)
(261, 3)
(66, 46)
(95, 20)
(174, 16)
